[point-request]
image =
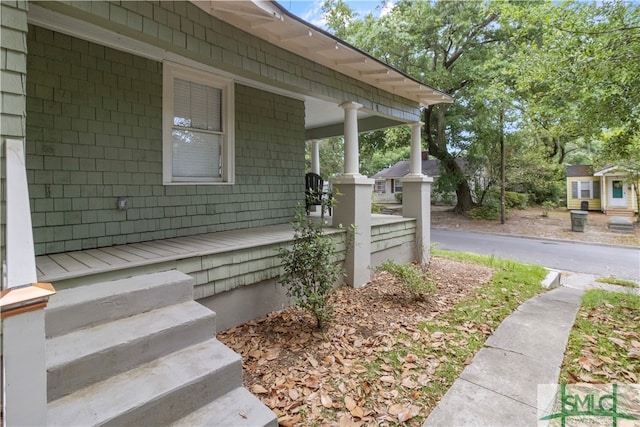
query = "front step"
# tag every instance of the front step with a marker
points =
(238, 408)
(619, 212)
(76, 308)
(140, 351)
(621, 224)
(89, 355)
(156, 393)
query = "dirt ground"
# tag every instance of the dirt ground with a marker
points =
(317, 378)
(531, 222)
(309, 377)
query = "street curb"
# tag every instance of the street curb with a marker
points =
(552, 280)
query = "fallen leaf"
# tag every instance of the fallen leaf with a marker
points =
(326, 400)
(584, 363)
(588, 379)
(312, 382)
(437, 335)
(349, 403)
(634, 353)
(618, 342)
(388, 379)
(258, 389)
(591, 339)
(395, 409)
(606, 359)
(408, 413)
(366, 387)
(411, 358)
(357, 412)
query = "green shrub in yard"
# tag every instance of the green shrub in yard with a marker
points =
(515, 200)
(490, 209)
(548, 206)
(412, 279)
(310, 269)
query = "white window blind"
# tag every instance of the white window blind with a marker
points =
(198, 126)
(197, 131)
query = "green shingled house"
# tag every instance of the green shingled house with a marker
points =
(152, 159)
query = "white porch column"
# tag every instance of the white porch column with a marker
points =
(415, 167)
(416, 197)
(315, 156)
(353, 205)
(351, 161)
(22, 304)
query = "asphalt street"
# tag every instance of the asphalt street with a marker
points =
(602, 260)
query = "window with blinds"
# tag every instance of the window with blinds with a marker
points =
(198, 141)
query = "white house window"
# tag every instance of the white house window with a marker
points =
(198, 140)
(585, 190)
(396, 186)
(379, 187)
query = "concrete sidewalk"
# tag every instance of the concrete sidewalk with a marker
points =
(499, 387)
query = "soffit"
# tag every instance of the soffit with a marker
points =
(268, 21)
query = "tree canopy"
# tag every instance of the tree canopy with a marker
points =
(563, 75)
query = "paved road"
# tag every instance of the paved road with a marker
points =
(602, 260)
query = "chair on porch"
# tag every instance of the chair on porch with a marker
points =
(314, 193)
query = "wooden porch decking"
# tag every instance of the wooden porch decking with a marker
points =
(72, 265)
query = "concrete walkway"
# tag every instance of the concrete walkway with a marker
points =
(499, 387)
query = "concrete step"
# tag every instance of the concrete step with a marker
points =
(620, 212)
(238, 408)
(621, 224)
(89, 355)
(85, 306)
(156, 393)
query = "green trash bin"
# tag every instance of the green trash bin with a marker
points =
(578, 220)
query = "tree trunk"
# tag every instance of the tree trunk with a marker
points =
(437, 147)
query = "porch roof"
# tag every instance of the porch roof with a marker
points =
(610, 169)
(270, 21)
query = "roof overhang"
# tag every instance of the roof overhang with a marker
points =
(271, 22)
(605, 171)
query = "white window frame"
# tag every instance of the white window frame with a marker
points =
(171, 71)
(582, 187)
(394, 188)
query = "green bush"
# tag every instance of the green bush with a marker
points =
(490, 209)
(515, 200)
(412, 279)
(399, 197)
(310, 270)
(551, 190)
(548, 206)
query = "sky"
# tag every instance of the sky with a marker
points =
(311, 10)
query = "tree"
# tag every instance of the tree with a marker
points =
(444, 43)
(579, 77)
(565, 73)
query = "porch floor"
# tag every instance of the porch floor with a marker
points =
(70, 265)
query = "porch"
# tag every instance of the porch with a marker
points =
(219, 262)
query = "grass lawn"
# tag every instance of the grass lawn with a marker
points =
(604, 344)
